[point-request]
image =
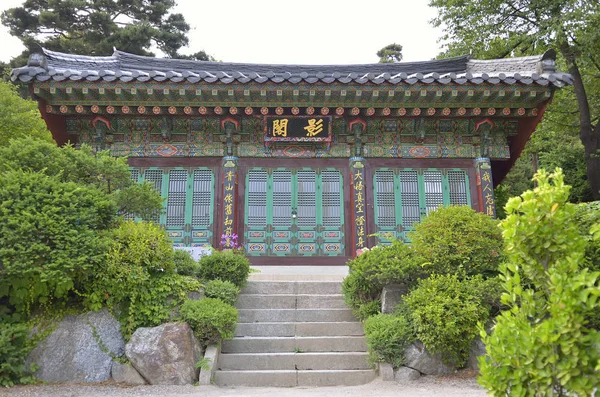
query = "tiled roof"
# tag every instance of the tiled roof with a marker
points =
(126, 67)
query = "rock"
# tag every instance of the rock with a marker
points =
(477, 350)
(125, 373)
(71, 353)
(386, 372)
(391, 296)
(165, 355)
(417, 357)
(404, 374)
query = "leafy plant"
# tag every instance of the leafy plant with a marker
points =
(368, 309)
(223, 290)
(444, 312)
(458, 240)
(226, 266)
(376, 268)
(13, 353)
(184, 263)
(387, 336)
(211, 319)
(541, 344)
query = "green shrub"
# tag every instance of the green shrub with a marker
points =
(458, 240)
(185, 264)
(587, 215)
(223, 290)
(225, 266)
(376, 268)
(368, 309)
(444, 312)
(13, 353)
(211, 319)
(51, 237)
(541, 345)
(387, 336)
(138, 278)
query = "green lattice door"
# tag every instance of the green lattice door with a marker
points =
(294, 212)
(404, 196)
(189, 197)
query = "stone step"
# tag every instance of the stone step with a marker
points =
(294, 345)
(294, 378)
(292, 361)
(293, 287)
(300, 329)
(293, 315)
(288, 301)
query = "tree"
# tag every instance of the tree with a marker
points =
(19, 117)
(542, 344)
(390, 53)
(92, 27)
(499, 28)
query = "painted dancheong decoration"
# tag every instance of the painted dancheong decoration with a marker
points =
(299, 161)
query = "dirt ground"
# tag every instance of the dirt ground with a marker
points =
(460, 385)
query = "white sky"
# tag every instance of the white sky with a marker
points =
(302, 32)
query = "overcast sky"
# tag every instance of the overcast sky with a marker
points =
(303, 32)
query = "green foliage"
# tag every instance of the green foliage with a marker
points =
(19, 117)
(458, 240)
(226, 266)
(391, 53)
(13, 352)
(137, 278)
(368, 309)
(387, 336)
(376, 268)
(541, 344)
(588, 215)
(83, 166)
(94, 28)
(184, 263)
(51, 239)
(211, 319)
(223, 290)
(444, 312)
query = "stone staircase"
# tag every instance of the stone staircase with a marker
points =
(294, 333)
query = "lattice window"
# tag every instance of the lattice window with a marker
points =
(331, 182)
(409, 194)
(201, 198)
(457, 183)
(386, 202)
(257, 198)
(176, 198)
(434, 193)
(155, 178)
(282, 198)
(307, 198)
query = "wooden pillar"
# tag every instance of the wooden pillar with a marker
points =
(230, 188)
(359, 221)
(485, 186)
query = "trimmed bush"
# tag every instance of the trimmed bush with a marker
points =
(184, 263)
(13, 352)
(387, 336)
(225, 266)
(458, 240)
(223, 290)
(444, 312)
(376, 268)
(211, 319)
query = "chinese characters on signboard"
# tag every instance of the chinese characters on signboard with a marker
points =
(359, 207)
(228, 201)
(487, 189)
(297, 128)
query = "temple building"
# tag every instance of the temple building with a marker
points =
(305, 163)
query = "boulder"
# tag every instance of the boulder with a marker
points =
(125, 373)
(386, 372)
(417, 357)
(165, 355)
(77, 350)
(391, 296)
(404, 374)
(477, 350)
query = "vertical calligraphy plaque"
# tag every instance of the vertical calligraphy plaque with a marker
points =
(357, 173)
(485, 187)
(230, 174)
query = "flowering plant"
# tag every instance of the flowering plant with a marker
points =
(230, 241)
